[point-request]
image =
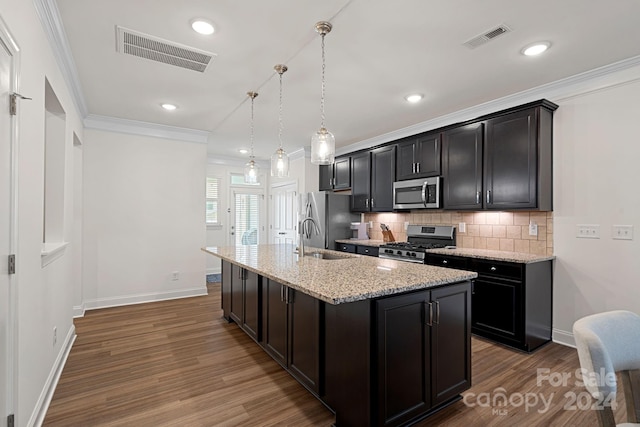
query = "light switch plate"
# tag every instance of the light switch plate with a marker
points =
(462, 227)
(622, 232)
(406, 225)
(533, 229)
(588, 231)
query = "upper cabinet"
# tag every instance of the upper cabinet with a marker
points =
(418, 157)
(503, 162)
(373, 173)
(462, 167)
(336, 176)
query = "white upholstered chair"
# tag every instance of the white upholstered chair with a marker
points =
(608, 343)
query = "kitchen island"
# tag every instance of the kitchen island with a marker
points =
(380, 342)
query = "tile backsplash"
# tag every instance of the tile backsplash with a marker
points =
(503, 231)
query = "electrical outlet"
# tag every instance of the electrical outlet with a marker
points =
(588, 231)
(175, 275)
(406, 225)
(462, 227)
(533, 229)
(370, 224)
(55, 335)
(622, 232)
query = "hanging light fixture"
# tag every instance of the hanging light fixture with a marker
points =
(251, 168)
(323, 143)
(280, 159)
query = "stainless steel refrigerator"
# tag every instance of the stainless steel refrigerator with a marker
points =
(331, 213)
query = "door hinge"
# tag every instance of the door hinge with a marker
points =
(13, 103)
(10, 421)
(12, 264)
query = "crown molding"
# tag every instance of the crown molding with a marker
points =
(300, 153)
(599, 78)
(135, 127)
(51, 21)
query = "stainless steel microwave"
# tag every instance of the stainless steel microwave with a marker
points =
(423, 193)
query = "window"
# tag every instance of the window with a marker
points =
(247, 218)
(238, 179)
(212, 214)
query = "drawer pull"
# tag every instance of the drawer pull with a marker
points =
(493, 269)
(444, 261)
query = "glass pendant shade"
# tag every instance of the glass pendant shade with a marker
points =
(323, 147)
(279, 164)
(251, 172)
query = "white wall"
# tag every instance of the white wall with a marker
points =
(44, 294)
(596, 155)
(143, 218)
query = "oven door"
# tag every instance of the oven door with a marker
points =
(417, 194)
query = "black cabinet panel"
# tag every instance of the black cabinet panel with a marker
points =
(383, 172)
(462, 167)
(346, 247)
(405, 160)
(360, 181)
(325, 178)
(497, 307)
(252, 309)
(447, 261)
(511, 161)
(226, 289)
(418, 157)
(236, 308)
(342, 173)
(403, 354)
(304, 339)
(367, 250)
(275, 324)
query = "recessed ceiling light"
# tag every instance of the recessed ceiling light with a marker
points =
(169, 107)
(243, 151)
(535, 48)
(202, 26)
(416, 97)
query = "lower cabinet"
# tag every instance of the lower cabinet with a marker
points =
(358, 249)
(423, 351)
(291, 332)
(244, 304)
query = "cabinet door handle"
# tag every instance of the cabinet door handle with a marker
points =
(437, 312)
(488, 196)
(372, 203)
(366, 203)
(477, 197)
(417, 167)
(281, 293)
(413, 167)
(430, 314)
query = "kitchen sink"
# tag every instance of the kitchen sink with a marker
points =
(328, 256)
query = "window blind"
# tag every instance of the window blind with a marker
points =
(247, 218)
(213, 185)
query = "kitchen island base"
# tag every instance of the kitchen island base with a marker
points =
(386, 361)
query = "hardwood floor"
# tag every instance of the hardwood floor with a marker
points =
(178, 363)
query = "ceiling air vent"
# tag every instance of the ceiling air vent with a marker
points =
(154, 48)
(487, 36)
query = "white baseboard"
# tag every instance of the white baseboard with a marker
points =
(142, 298)
(42, 405)
(216, 270)
(78, 311)
(563, 337)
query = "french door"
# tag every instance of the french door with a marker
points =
(246, 217)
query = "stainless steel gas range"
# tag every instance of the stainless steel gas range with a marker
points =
(419, 239)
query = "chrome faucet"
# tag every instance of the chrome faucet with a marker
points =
(301, 233)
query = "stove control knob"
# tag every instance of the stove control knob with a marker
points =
(399, 252)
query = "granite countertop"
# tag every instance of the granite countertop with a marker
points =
(350, 278)
(366, 242)
(518, 257)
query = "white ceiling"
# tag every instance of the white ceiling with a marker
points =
(378, 52)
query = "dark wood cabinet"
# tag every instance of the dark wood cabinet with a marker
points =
(336, 176)
(423, 351)
(506, 164)
(462, 167)
(418, 157)
(358, 249)
(225, 290)
(346, 247)
(291, 332)
(372, 176)
(512, 303)
(517, 161)
(244, 304)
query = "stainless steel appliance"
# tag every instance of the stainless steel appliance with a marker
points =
(419, 239)
(359, 231)
(422, 193)
(331, 213)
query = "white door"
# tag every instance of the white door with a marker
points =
(284, 213)
(6, 209)
(246, 217)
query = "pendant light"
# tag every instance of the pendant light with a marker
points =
(280, 159)
(251, 168)
(323, 143)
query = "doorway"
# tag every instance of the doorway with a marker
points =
(8, 161)
(246, 217)
(284, 213)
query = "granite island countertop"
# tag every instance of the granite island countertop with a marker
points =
(350, 278)
(519, 257)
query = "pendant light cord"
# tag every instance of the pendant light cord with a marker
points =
(323, 85)
(280, 125)
(252, 98)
